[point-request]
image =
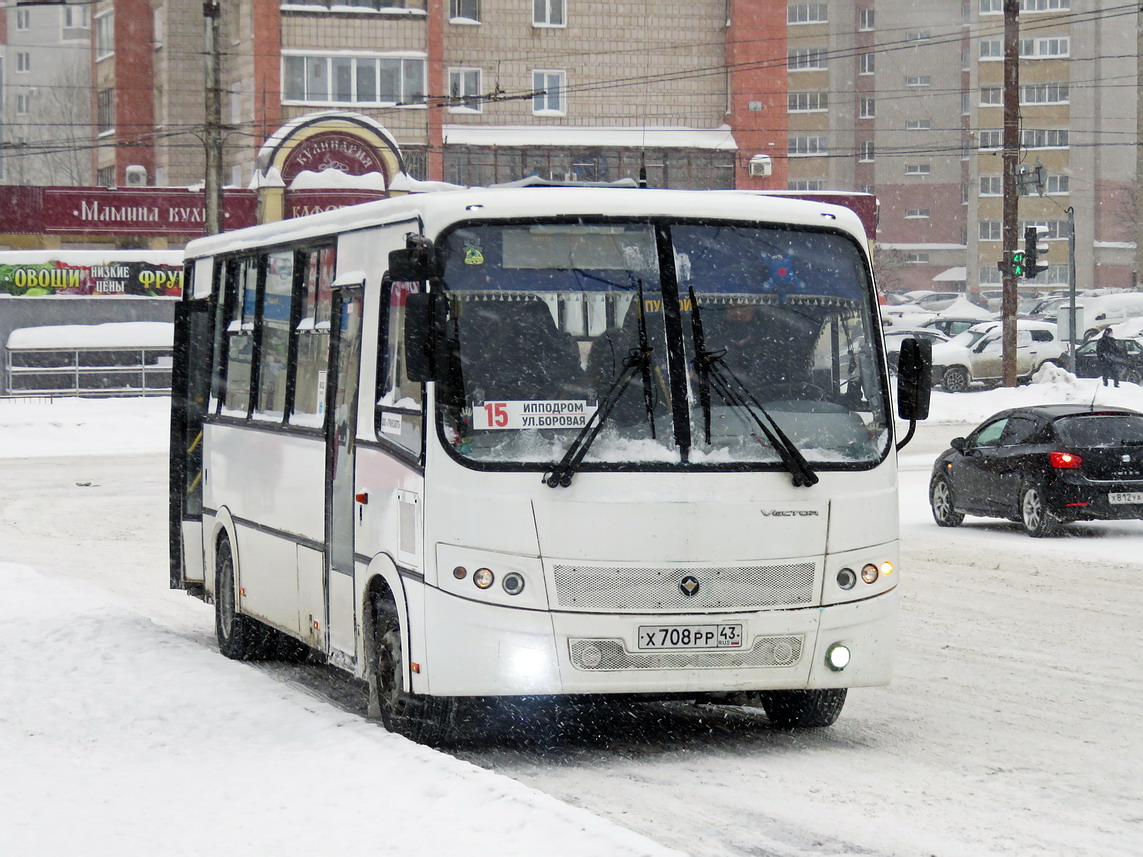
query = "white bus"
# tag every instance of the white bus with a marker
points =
(539, 442)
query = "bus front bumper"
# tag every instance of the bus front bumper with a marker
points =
(485, 650)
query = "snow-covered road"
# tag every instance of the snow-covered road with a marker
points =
(1011, 727)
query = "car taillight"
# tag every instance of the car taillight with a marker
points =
(1064, 460)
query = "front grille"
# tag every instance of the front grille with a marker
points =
(589, 587)
(611, 655)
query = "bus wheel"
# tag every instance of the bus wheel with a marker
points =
(426, 719)
(800, 709)
(239, 637)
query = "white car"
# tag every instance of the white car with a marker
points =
(975, 354)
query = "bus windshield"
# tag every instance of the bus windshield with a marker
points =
(689, 337)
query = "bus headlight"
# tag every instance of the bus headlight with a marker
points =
(837, 657)
(483, 578)
(869, 573)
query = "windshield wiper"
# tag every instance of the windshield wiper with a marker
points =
(712, 370)
(637, 359)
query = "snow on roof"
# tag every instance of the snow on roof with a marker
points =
(331, 178)
(951, 275)
(118, 334)
(552, 135)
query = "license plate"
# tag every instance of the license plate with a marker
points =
(1125, 497)
(690, 636)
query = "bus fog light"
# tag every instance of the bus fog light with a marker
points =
(590, 656)
(837, 657)
(846, 578)
(513, 583)
(869, 572)
(483, 578)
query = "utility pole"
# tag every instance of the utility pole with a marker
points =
(1011, 221)
(212, 187)
(1139, 149)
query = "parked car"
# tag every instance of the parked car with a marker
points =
(1103, 311)
(1041, 308)
(937, 301)
(904, 315)
(950, 326)
(1042, 467)
(895, 336)
(1131, 370)
(975, 354)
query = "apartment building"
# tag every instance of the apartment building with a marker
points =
(45, 95)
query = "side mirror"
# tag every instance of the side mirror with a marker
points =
(415, 263)
(958, 443)
(914, 379)
(425, 318)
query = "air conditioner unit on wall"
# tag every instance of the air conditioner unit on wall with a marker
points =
(136, 176)
(761, 165)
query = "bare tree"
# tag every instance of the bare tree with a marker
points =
(888, 263)
(50, 143)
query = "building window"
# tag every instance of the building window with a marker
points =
(395, 81)
(1050, 48)
(918, 36)
(991, 7)
(464, 90)
(23, 19)
(808, 146)
(865, 154)
(865, 19)
(464, 10)
(1045, 5)
(808, 102)
(1057, 230)
(807, 13)
(1044, 93)
(75, 17)
(918, 124)
(23, 61)
(991, 96)
(992, 139)
(917, 169)
(548, 87)
(991, 49)
(105, 110)
(23, 100)
(989, 230)
(807, 59)
(1044, 138)
(917, 258)
(917, 213)
(549, 13)
(919, 80)
(866, 63)
(991, 185)
(868, 108)
(105, 177)
(1057, 185)
(104, 35)
(806, 184)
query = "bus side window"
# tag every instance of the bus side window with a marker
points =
(399, 404)
(242, 294)
(312, 333)
(275, 336)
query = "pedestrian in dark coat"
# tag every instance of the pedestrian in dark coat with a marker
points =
(1109, 357)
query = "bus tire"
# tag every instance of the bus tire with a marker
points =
(803, 709)
(239, 637)
(426, 719)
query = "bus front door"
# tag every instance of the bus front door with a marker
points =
(340, 504)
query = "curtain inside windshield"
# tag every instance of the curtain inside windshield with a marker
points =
(551, 322)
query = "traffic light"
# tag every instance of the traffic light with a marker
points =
(1035, 249)
(1019, 264)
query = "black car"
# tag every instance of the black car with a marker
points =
(1042, 467)
(1130, 367)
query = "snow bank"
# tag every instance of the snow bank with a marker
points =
(147, 743)
(34, 428)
